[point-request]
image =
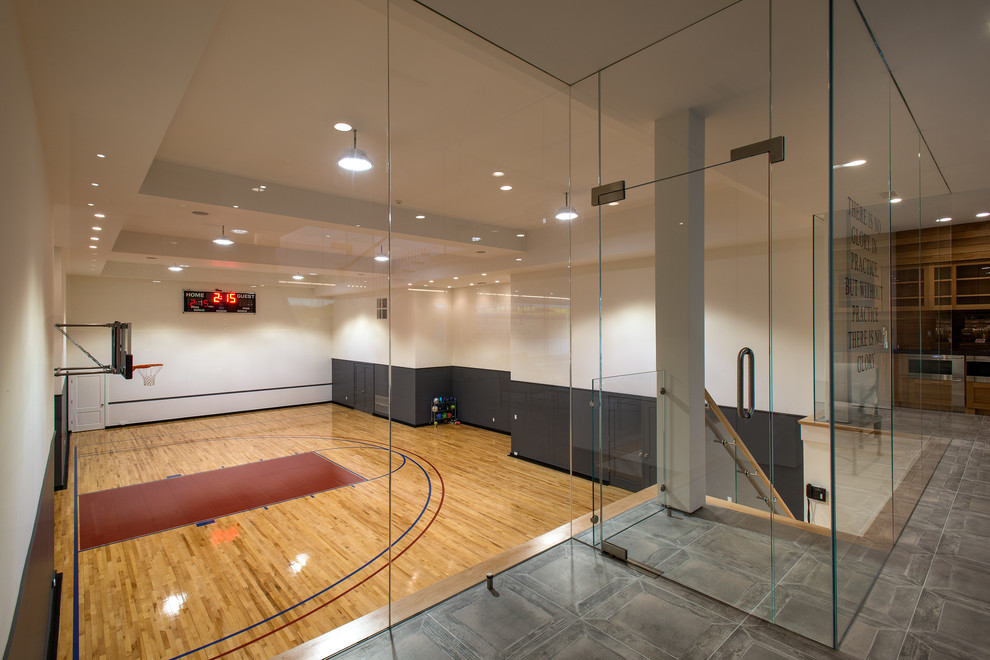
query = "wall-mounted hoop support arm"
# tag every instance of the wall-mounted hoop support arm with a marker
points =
(121, 361)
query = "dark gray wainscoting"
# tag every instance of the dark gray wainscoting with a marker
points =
(542, 419)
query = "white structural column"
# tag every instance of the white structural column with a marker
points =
(680, 309)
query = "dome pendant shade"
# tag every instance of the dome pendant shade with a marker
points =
(566, 212)
(354, 159)
(222, 238)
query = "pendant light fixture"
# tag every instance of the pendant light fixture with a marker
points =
(566, 212)
(222, 239)
(354, 159)
(381, 256)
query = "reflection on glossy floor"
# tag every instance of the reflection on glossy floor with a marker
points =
(932, 599)
(783, 573)
(259, 582)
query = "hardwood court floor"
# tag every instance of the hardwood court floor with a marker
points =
(256, 583)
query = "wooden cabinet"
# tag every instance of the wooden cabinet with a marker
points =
(909, 287)
(930, 287)
(978, 398)
(972, 285)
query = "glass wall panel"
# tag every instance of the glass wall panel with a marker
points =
(861, 317)
(897, 373)
(480, 302)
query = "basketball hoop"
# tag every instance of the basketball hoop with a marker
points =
(147, 372)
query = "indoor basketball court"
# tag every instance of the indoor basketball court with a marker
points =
(249, 534)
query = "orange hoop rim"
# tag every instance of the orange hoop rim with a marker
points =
(145, 366)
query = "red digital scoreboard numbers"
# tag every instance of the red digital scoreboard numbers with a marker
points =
(218, 301)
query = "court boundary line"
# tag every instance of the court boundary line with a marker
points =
(387, 564)
(188, 419)
(429, 497)
(191, 441)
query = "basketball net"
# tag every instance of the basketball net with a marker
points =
(147, 372)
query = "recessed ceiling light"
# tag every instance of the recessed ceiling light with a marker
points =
(431, 281)
(497, 173)
(175, 269)
(93, 246)
(946, 219)
(238, 231)
(236, 206)
(156, 281)
(982, 214)
(94, 228)
(505, 187)
(259, 188)
(449, 286)
(896, 200)
(421, 217)
(99, 215)
(472, 284)
(95, 184)
(90, 204)
(183, 265)
(518, 258)
(613, 203)
(297, 276)
(343, 126)
(94, 238)
(101, 155)
(520, 235)
(456, 278)
(475, 239)
(498, 281)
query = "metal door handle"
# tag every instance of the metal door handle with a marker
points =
(745, 412)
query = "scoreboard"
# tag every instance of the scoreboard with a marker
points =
(218, 301)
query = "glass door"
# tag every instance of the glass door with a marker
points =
(703, 508)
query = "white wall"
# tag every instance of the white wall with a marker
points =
(540, 327)
(481, 318)
(26, 410)
(628, 324)
(286, 344)
(358, 334)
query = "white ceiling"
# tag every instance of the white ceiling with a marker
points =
(196, 102)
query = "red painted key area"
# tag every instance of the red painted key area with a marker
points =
(118, 514)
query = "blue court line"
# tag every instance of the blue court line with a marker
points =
(426, 505)
(264, 506)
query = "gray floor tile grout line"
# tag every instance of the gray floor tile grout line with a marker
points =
(938, 544)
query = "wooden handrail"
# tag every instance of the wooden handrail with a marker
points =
(749, 457)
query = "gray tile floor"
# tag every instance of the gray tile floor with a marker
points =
(932, 599)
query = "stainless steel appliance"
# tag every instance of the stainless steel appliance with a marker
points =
(951, 368)
(978, 368)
